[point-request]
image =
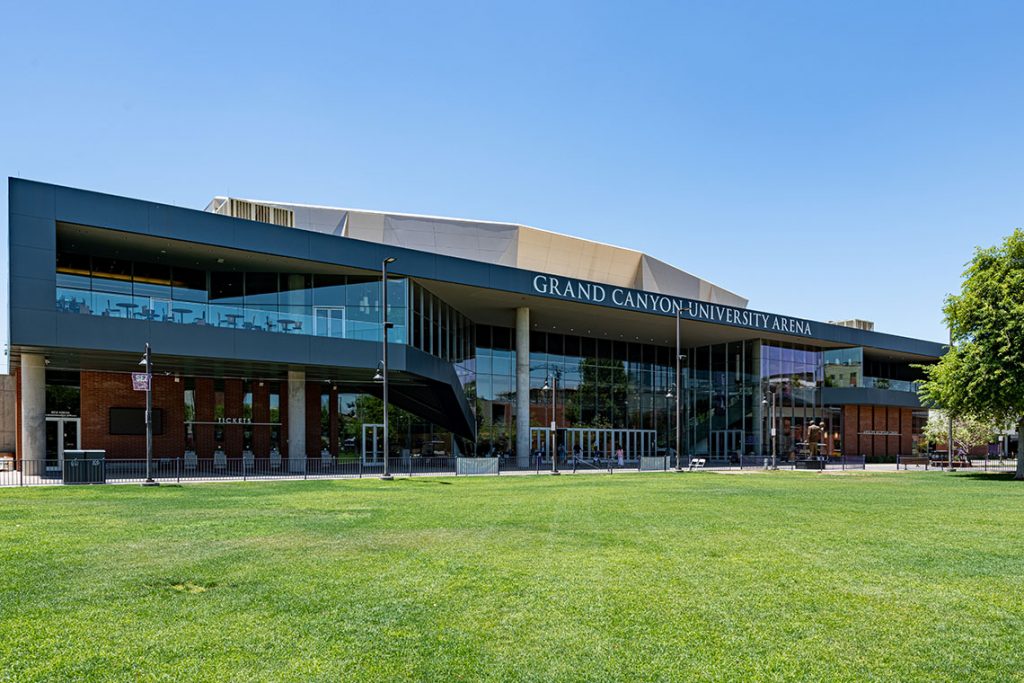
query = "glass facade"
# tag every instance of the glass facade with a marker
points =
(731, 395)
(849, 368)
(438, 328)
(789, 394)
(592, 383)
(409, 435)
(320, 304)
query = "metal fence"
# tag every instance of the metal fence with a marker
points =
(177, 470)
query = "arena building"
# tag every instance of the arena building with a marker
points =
(265, 324)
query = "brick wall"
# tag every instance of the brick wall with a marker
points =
(204, 413)
(102, 391)
(233, 433)
(906, 430)
(860, 419)
(260, 413)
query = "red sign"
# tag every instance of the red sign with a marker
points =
(140, 381)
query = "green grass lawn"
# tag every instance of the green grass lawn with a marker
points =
(763, 576)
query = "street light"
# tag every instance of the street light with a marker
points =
(383, 370)
(680, 357)
(949, 441)
(147, 361)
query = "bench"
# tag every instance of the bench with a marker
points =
(697, 463)
(912, 460)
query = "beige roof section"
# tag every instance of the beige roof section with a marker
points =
(507, 244)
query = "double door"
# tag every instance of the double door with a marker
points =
(726, 443)
(373, 444)
(62, 434)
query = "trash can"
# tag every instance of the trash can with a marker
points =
(85, 467)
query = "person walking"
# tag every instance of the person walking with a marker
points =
(620, 455)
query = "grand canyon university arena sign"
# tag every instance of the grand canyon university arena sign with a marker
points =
(649, 302)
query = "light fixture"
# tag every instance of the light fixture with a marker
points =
(545, 387)
(379, 376)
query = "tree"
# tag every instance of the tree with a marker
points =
(982, 374)
(967, 431)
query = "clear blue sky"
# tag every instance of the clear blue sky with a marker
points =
(824, 159)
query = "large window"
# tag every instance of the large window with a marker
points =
(323, 304)
(438, 328)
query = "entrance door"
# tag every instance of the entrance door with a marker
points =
(373, 444)
(62, 434)
(726, 443)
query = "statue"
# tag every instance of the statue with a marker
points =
(813, 439)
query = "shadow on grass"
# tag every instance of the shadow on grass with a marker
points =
(987, 476)
(424, 481)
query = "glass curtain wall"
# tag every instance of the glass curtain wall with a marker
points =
(410, 436)
(792, 377)
(722, 401)
(592, 383)
(437, 328)
(319, 304)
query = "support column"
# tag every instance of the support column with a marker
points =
(523, 386)
(296, 420)
(33, 413)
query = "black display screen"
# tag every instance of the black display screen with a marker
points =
(132, 421)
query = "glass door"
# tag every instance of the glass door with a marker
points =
(373, 444)
(62, 434)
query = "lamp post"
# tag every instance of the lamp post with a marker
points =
(554, 420)
(147, 361)
(386, 325)
(680, 357)
(949, 446)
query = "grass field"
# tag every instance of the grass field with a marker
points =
(780, 576)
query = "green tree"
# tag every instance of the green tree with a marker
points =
(982, 374)
(967, 431)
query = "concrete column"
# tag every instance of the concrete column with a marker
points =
(33, 413)
(296, 420)
(523, 386)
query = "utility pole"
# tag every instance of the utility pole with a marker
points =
(949, 454)
(384, 365)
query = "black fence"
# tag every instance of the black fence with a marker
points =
(90, 470)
